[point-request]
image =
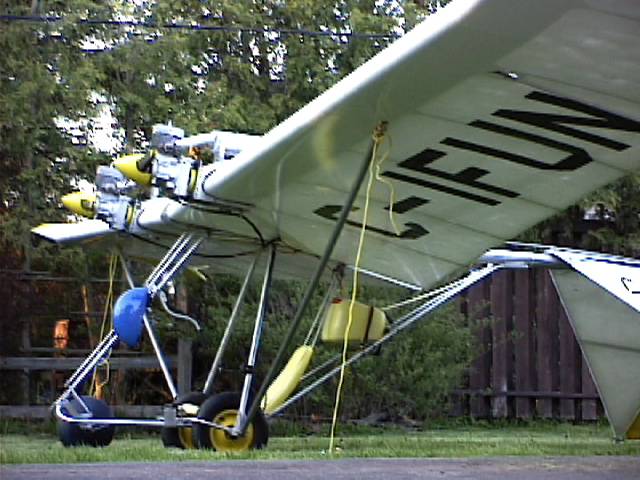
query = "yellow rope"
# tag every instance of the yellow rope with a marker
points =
(392, 191)
(107, 314)
(377, 139)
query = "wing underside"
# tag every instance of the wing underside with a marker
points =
(494, 124)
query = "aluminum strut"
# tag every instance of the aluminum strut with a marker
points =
(313, 284)
(166, 270)
(235, 313)
(243, 418)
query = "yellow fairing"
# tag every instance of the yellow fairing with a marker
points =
(80, 203)
(634, 431)
(128, 166)
(288, 379)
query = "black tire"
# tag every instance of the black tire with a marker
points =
(182, 437)
(74, 434)
(223, 408)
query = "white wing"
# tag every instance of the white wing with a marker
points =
(501, 113)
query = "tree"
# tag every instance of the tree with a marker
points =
(46, 77)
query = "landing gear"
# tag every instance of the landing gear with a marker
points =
(94, 435)
(222, 409)
(182, 437)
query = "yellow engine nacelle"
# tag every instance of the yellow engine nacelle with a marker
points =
(81, 203)
(129, 166)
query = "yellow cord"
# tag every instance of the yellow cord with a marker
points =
(108, 308)
(377, 139)
(392, 191)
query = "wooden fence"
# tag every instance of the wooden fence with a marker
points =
(529, 363)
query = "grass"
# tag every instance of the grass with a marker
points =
(475, 440)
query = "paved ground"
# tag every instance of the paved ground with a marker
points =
(516, 468)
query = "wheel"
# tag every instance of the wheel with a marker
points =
(182, 437)
(73, 434)
(223, 409)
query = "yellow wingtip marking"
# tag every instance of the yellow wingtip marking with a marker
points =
(634, 431)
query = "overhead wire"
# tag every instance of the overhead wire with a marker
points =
(197, 27)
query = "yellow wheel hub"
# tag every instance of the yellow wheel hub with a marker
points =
(222, 441)
(185, 435)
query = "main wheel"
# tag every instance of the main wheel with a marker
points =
(182, 437)
(223, 409)
(73, 434)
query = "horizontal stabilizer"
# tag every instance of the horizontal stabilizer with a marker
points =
(607, 326)
(65, 233)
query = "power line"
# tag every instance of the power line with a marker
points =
(198, 27)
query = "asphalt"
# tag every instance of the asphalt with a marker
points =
(504, 468)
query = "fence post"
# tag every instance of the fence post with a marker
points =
(524, 348)
(26, 377)
(185, 356)
(479, 377)
(502, 312)
(568, 365)
(544, 337)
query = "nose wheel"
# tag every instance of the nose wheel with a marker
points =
(94, 435)
(223, 410)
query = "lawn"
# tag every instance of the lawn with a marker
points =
(449, 441)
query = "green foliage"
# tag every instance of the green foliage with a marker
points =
(411, 376)
(607, 221)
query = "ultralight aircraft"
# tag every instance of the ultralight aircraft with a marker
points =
(485, 119)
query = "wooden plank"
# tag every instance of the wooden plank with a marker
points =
(25, 377)
(554, 316)
(525, 393)
(479, 377)
(544, 353)
(44, 411)
(74, 351)
(523, 339)
(185, 356)
(501, 315)
(71, 363)
(185, 363)
(589, 407)
(568, 365)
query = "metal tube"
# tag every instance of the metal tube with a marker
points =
(321, 310)
(82, 371)
(99, 351)
(168, 257)
(321, 367)
(158, 351)
(521, 259)
(398, 327)
(326, 256)
(243, 418)
(235, 313)
(126, 271)
(171, 271)
(107, 421)
(385, 278)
